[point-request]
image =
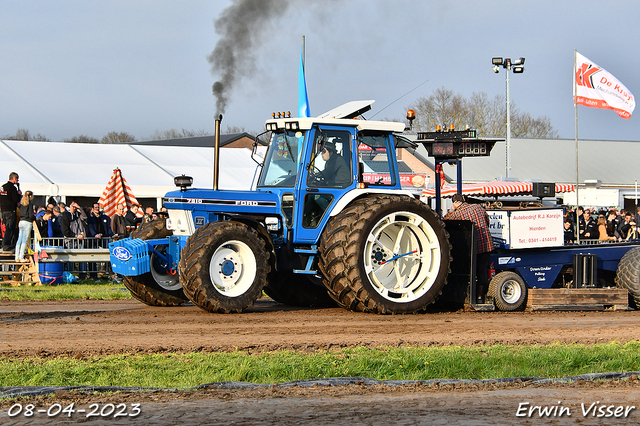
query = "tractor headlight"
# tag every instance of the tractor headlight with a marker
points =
(273, 223)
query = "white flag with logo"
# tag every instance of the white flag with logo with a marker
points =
(597, 88)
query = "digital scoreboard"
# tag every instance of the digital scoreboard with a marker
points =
(453, 144)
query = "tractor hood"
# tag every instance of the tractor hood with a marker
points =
(223, 200)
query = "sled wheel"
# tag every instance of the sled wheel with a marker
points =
(509, 291)
(155, 288)
(298, 290)
(224, 267)
(628, 275)
(385, 254)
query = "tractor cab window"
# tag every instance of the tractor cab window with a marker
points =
(330, 165)
(375, 158)
(281, 164)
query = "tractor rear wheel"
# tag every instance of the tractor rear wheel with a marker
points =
(386, 254)
(509, 291)
(297, 290)
(224, 266)
(155, 288)
(628, 275)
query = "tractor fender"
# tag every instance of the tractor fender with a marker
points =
(348, 197)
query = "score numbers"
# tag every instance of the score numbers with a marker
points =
(472, 148)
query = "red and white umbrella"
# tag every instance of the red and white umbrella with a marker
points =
(117, 192)
(493, 188)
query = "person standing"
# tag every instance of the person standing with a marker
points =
(98, 223)
(27, 216)
(461, 210)
(131, 218)
(72, 222)
(9, 200)
(118, 224)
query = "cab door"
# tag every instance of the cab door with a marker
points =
(328, 173)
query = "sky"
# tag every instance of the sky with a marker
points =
(74, 68)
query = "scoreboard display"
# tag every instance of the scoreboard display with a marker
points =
(456, 144)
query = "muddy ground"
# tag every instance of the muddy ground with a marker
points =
(89, 327)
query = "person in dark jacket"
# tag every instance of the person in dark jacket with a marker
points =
(9, 199)
(589, 227)
(27, 216)
(98, 223)
(336, 171)
(131, 218)
(42, 222)
(55, 231)
(72, 222)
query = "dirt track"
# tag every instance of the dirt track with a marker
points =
(107, 327)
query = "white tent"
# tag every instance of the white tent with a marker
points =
(83, 170)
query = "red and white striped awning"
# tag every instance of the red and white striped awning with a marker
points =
(117, 192)
(493, 188)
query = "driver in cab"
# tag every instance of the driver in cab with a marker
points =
(336, 172)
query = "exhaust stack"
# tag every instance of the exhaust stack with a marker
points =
(216, 153)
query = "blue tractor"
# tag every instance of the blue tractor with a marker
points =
(328, 223)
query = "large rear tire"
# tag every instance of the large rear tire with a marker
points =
(509, 291)
(155, 288)
(385, 254)
(297, 290)
(224, 267)
(628, 275)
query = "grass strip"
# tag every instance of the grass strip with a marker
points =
(453, 362)
(86, 290)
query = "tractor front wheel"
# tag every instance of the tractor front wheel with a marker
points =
(224, 266)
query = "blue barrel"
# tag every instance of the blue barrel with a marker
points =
(51, 273)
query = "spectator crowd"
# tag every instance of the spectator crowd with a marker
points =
(600, 225)
(22, 218)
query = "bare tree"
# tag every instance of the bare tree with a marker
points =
(234, 129)
(488, 116)
(82, 139)
(176, 134)
(23, 135)
(118, 137)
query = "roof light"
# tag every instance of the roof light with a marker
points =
(451, 127)
(438, 128)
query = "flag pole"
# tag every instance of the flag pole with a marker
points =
(575, 103)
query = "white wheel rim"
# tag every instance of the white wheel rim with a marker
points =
(511, 291)
(166, 281)
(402, 257)
(233, 268)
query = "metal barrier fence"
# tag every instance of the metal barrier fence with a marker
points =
(85, 256)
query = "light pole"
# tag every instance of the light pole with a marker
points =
(517, 65)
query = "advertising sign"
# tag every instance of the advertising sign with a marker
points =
(526, 228)
(536, 228)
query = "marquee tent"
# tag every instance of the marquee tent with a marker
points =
(82, 170)
(493, 188)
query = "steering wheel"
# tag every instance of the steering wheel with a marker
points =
(316, 175)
